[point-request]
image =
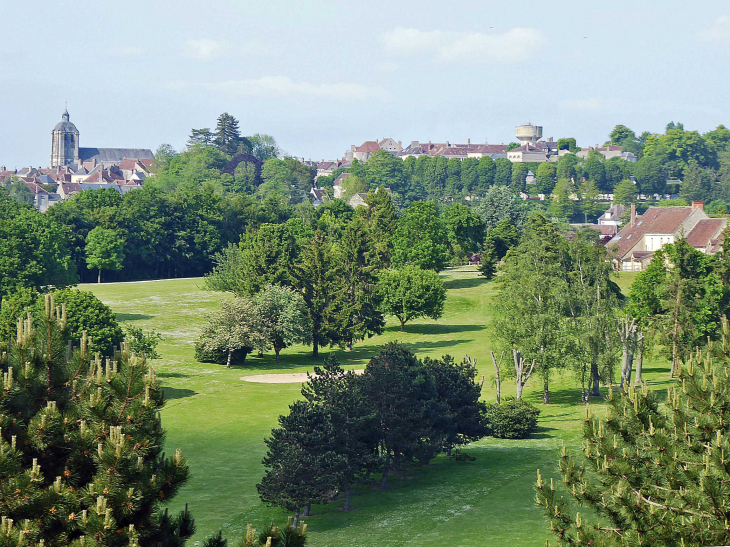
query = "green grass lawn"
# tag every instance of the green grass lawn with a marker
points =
(220, 422)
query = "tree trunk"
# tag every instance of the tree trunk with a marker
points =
(296, 518)
(98, 279)
(545, 392)
(595, 380)
(346, 507)
(384, 479)
(277, 350)
(315, 348)
(402, 324)
(349, 345)
(448, 450)
(639, 359)
(307, 510)
(260, 354)
(228, 360)
(497, 378)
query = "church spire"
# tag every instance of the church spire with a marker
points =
(65, 116)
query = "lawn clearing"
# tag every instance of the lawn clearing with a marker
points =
(220, 421)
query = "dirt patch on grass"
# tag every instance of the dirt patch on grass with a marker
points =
(291, 378)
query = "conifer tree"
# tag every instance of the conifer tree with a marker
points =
(302, 465)
(316, 275)
(654, 473)
(357, 295)
(339, 394)
(81, 445)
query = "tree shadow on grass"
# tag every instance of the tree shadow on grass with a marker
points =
(464, 283)
(439, 328)
(133, 317)
(542, 432)
(172, 375)
(172, 393)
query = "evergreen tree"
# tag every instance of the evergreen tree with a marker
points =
(411, 418)
(316, 277)
(381, 222)
(81, 445)
(227, 136)
(200, 137)
(340, 395)
(357, 304)
(459, 392)
(302, 465)
(654, 473)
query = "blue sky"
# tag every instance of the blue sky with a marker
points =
(321, 76)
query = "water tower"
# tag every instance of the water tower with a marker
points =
(528, 134)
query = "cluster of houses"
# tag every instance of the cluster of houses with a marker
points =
(75, 169)
(51, 185)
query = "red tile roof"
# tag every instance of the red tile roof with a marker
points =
(656, 220)
(368, 146)
(705, 231)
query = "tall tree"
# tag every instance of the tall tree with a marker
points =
(227, 136)
(104, 250)
(302, 466)
(233, 328)
(420, 238)
(546, 177)
(358, 312)
(381, 222)
(316, 276)
(404, 397)
(200, 137)
(531, 301)
(464, 228)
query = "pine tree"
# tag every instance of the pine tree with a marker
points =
(315, 275)
(357, 296)
(81, 460)
(653, 473)
(227, 136)
(339, 394)
(302, 465)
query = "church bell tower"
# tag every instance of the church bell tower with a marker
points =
(64, 143)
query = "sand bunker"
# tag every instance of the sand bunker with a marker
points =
(292, 378)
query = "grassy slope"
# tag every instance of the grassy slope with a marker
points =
(219, 422)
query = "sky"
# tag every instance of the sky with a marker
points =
(320, 76)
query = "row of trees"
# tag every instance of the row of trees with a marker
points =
(399, 413)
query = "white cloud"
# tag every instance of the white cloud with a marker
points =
(283, 85)
(387, 66)
(592, 104)
(129, 51)
(515, 45)
(203, 49)
(719, 31)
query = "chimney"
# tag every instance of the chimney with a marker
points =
(698, 205)
(633, 213)
(468, 141)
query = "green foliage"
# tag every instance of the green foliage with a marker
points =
(653, 473)
(502, 204)
(625, 192)
(233, 328)
(143, 342)
(104, 250)
(264, 147)
(567, 143)
(410, 292)
(464, 228)
(82, 444)
(511, 419)
(281, 318)
(503, 172)
(546, 177)
(531, 299)
(34, 251)
(594, 170)
(86, 313)
(14, 306)
(227, 136)
(420, 238)
(562, 205)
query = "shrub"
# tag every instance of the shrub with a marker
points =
(512, 419)
(289, 536)
(219, 356)
(143, 342)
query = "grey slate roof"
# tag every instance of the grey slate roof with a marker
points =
(113, 155)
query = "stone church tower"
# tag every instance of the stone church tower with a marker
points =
(64, 143)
